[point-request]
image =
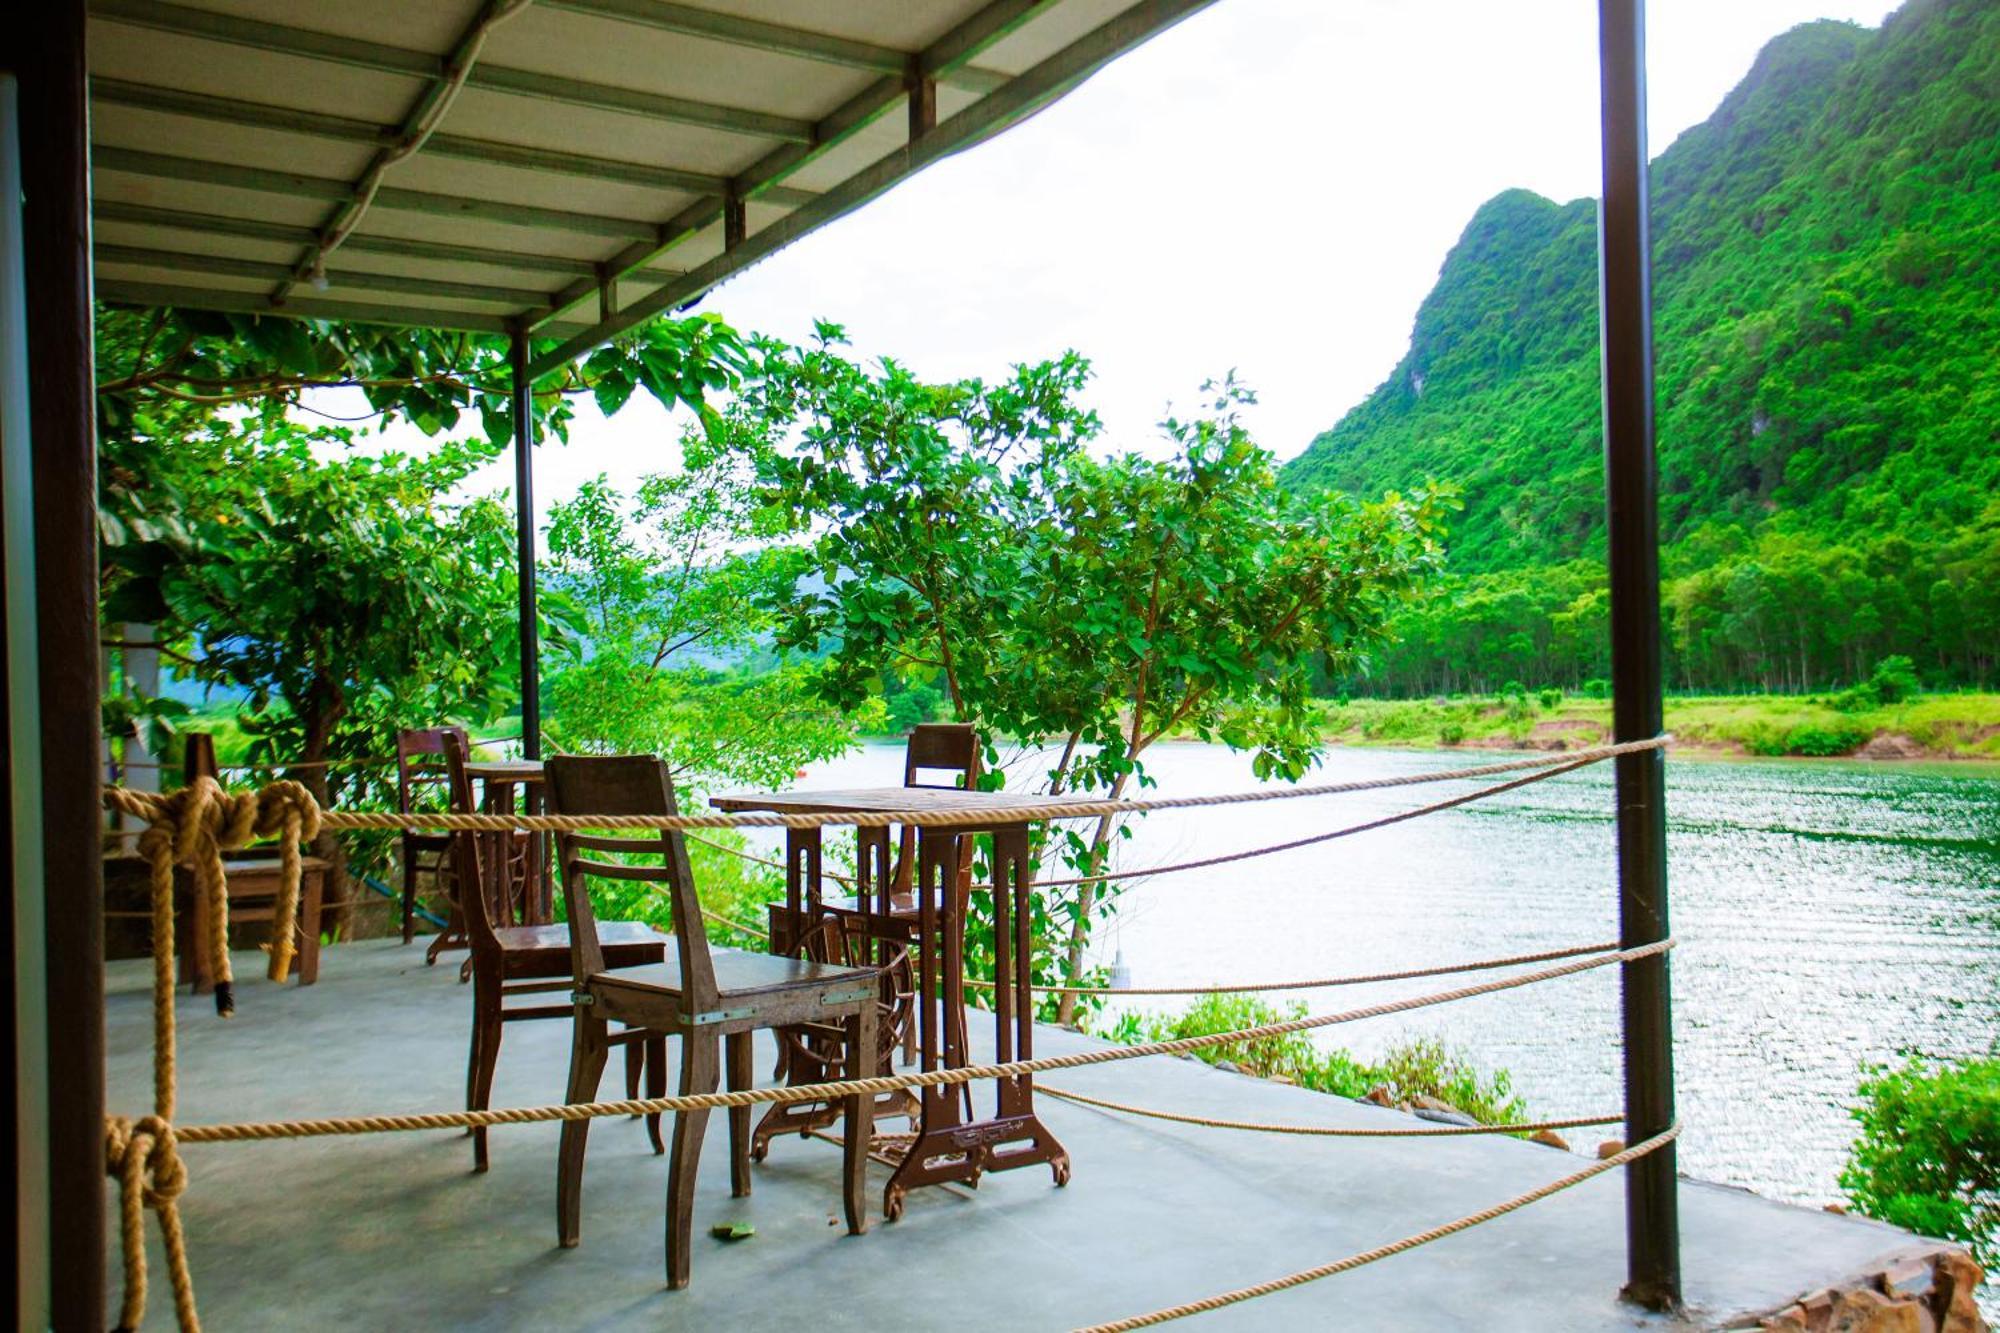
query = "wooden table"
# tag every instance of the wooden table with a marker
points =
(532, 899)
(951, 1143)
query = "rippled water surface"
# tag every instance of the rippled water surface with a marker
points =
(1831, 915)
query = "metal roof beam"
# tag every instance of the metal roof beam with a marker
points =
(183, 262)
(1022, 97)
(945, 58)
(299, 185)
(117, 291)
(774, 38)
(210, 224)
(382, 58)
(346, 129)
(951, 51)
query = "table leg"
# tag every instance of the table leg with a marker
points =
(947, 1146)
(1013, 878)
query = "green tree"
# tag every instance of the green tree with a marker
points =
(346, 594)
(669, 592)
(965, 529)
(1195, 596)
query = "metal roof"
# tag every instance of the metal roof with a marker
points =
(571, 167)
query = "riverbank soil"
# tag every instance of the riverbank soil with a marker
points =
(1934, 726)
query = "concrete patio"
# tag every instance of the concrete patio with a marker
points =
(393, 1231)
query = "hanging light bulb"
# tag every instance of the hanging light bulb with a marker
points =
(317, 277)
(1121, 975)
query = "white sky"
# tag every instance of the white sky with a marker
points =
(1271, 186)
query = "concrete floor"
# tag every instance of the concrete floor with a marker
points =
(394, 1232)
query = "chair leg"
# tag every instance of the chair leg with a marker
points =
(741, 1075)
(308, 930)
(588, 1052)
(656, 1086)
(858, 1120)
(635, 1057)
(700, 1068)
(200, 963)
(409, 895)
(486, 1029)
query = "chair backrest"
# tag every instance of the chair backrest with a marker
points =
(937, 747)
(197, 756)
(949, 747)
(422, 779)
(481, 901)
(627, 784)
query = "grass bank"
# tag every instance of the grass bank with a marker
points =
(1933, 726)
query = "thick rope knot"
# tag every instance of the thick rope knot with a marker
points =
(193, 827)
(144, 1158)
(146, 1150)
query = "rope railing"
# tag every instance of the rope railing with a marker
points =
(1027, 811)
(194, 825)
(1226, 858)
(276, 765)
(1354, 1261)
(1328, 1131)
(337, 1126)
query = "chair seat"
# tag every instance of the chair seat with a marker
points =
(901, 906)
(737, 972)
(626, 944)
(271, 865)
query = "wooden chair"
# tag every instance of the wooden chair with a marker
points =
(936, 747)
(422, 783)
(253, 892)
(706, 997)
(512, 960)
(932, 748)
(817, 1052)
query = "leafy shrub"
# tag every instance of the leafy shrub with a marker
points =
(1767, 739)
(1549, 698)
(1928, 1157)
(1423, 1067)
(1817, 741)
(1597, 688)
(1451, 733)
(1894, 680)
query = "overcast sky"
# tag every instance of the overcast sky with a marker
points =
(1269, 187)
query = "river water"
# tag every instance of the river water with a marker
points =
(1831, 915)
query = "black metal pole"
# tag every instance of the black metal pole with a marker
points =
(1652, 1210)
(524, 536)
(46, 54)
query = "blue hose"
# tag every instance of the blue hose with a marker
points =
(390, 893)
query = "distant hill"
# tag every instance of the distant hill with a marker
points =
(1827, 312)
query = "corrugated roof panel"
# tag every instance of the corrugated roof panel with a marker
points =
(512, 185)
(229, 133)
(171, 60)
(628, 55)
(608, 134)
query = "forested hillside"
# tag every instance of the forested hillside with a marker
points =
(1827, 306)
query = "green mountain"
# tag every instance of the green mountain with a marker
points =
(1827, 317)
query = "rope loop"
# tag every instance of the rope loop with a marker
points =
(143, 1156)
